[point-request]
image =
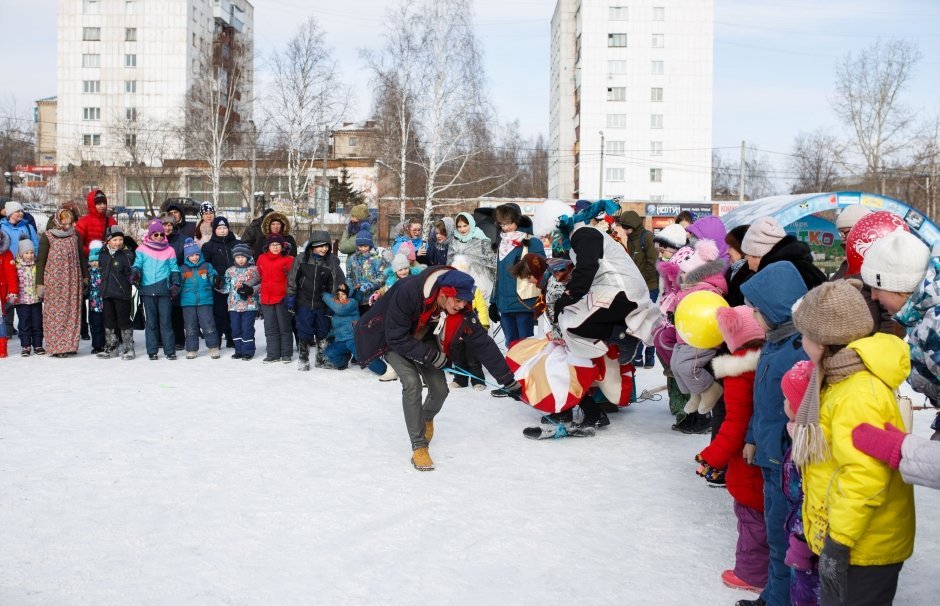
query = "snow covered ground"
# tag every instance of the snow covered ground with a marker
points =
(222, 482)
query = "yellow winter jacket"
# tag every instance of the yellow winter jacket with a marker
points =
(859, 500)
(480, 306)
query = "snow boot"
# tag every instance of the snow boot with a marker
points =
(127, 341)
(709, 397)
(3, 347)
(321, 360)
(214, 353)
(390, 374)
(110, 344)
(429, 430)
(190, 355)
(734, 582)
(421, 459)
(754, 602)
(303, 355)
(25, 352)
(700, 424)
(692, 405)
(552, 430)
(558, 417)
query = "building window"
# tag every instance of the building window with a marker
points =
(616, 148)
(89, 140)
(615, 174)
(657, 198)
(91, 60)
(659, 13)
(617, 13)
(130, 140)
(616, 120)
(91, 86)
(658, 68)
(130, 113)
(656, 121)
(617, 93)
(617, 67)
(656, 95)
(130, 86)
(90, 7)
(130, 7)
(353, 141)
(659, 40)
(91, 113)
(656, 148)
(656, 175)
(130, 60)
(194, 39)
(130, 34)
(91, 33)
(617, 40)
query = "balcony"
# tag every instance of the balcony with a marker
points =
(227, 14)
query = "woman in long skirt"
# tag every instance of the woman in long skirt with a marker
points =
(61, 274)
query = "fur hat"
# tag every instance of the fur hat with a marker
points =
(738, 326)
(896, 262)
(190, 248)
(546, 217)
(672, 236)
(795, 383)
(206, 207)
(400, 262)
(218, 221)
(833, 313)
(705, 252)
(762, 235)
(167, 218)
(408, 249)
(155, 227)
(507, 213)
(11, 207)
(360, 212)
(851, 215)
(364, 237)
(242, 250)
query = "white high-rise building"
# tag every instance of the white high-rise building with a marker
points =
(637, 75)
(126, 61)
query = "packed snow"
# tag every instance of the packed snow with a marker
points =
(224, 482)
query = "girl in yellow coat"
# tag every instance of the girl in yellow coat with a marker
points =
(858, 513)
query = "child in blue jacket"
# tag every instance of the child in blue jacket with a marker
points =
(345, 315)
(198, 280)
(157, 276)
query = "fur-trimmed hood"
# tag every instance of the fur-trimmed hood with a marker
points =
(712, 272)
(275, 216)
(736, 364)
(4, 242)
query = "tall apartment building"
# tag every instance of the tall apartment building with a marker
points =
(636, 74)
(127, 61)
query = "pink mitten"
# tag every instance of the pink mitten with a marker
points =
(799, 555)
(883, 444)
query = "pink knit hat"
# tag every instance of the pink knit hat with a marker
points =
(795, 383)
(705, 252)
(155, 227)
(738, 326)
(408, 249)
(761, 236)
(682, 255)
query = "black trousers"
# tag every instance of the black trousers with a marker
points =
(867, 586)
(601, 323)
(117, 314)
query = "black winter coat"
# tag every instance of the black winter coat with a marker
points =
(311, 277)
(115, 273)
(392, 322)
(176, 241)
(796, 252)
(218, 252)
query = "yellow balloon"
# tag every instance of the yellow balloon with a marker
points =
(697, 319)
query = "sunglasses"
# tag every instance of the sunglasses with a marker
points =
(158, 235)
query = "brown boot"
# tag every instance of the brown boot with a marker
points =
(429, 430)
(421, 459)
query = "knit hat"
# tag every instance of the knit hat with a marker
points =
(154, 227)
(705, 252)
(795, 383)
(408, 249)
(359, 212)
(738, 326)
(167, 218)
(364, 237)
(113, 232)
(274, 238)
(581, 205)
(672, 236)
(206, 207)
(457, 284)
(833, 313)
(94, 249)
(734, 237)
(100, 197)
(682, 255)
(557, 264)
(896, 262)
(761, 236)
(242, 250)
(25, 246)
(343, 288)
(190, 248)
(11, 207)
(218, 221)
(400, 262)
(850, 215)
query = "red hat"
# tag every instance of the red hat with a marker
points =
(738, 326)
(795, 383)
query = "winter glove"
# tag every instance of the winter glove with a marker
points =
(291, 302)
(514, 391)
(834, 569)
(218, 282)
(244, 291)
(11, 299)
(374, 297)
(135, 277)
(883, 444)
(437, 359)
(563, 301)
(799, 555)
(40, 291)
(174, 290)
(494, 312)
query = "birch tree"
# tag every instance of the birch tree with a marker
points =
(816, 161)
(144, 145)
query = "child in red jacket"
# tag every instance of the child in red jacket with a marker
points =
(273, 266)
(9, 287)
(744, 338)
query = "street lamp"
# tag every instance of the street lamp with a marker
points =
(8, 176)
(600, 192)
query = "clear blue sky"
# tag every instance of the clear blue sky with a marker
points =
(774, 59)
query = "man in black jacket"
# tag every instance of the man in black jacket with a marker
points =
(414, 325)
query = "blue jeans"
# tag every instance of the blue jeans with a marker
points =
(777, 590)
(339, 351)
(30, 325)
(158, 326)
(517, 326)
(312, 324)
(243, 331)
(196, 318)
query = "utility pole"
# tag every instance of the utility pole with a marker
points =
(254, 165)
(741, 176)
(600, 185)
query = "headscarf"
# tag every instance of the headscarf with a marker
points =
(474, 232)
